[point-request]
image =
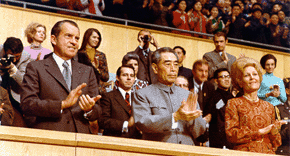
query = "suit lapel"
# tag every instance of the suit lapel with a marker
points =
(119, 98)
(53, 69)
(76, 73)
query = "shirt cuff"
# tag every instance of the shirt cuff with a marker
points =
(12, 71)
(174, 124)
(125, 127)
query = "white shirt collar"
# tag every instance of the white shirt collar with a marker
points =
(124, 93)
(196, 86)
(59, 61)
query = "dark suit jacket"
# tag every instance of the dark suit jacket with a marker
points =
(217, 134)
(207, 89)
(8, 114)
(43, 90)
(186, 72)
(145, 71)
(115, 112)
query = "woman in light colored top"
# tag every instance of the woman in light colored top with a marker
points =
(250, 122)
(272, 88)
(36, 34)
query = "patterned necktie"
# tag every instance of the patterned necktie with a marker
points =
(66, 74)
(200, 98)
(127, 100)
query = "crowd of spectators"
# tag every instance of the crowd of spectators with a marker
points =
(263, 21)
(60, 89)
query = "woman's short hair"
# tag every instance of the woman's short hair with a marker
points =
(267, 57)
(31, 30)
(87, 36)
(238, 67)
(128, 57)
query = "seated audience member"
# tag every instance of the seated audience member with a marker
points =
(94, 7)
(275, 32)
(138, 10)
(12, 70)
(215, 23)
(219, 58)
(183, 71)
(272, 88)
(58, 92)
(276, 8)
(36, 34)
(180, 17)
(91, 6)
(254, 29)
(117, 116)
(170, 124)
(6, 109)
(145, 71)
(283, 113)
(181, 82)
(250, 122)
(241, 4)
(115, 8)
(216, 107)
(282, 20)
(160, 13)
(132, 60)
(237, 22)
(197, 20)
(91, 42)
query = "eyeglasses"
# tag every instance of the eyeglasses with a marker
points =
(224, 76)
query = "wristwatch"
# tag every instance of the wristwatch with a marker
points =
(87, 114)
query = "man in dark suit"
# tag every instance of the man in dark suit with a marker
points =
(52, 87)
(217, 107)
(199, 84)
(182, 71)
(145, 71)
(117, 119)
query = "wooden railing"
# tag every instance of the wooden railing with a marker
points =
(33, 142)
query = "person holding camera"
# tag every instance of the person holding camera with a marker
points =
(12, 69)
(145, 72)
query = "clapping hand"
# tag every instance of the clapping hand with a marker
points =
(187, 111)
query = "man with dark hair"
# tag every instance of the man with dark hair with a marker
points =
(216, 107)
(117, 119)
(52, 87)
(12, 69)
(182, 71)
(219, 58)
(145, 71)
(160, 110)
(254, 29)
(236, 27)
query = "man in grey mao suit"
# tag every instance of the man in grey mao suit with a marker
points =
(160, 110)
(47, 96)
